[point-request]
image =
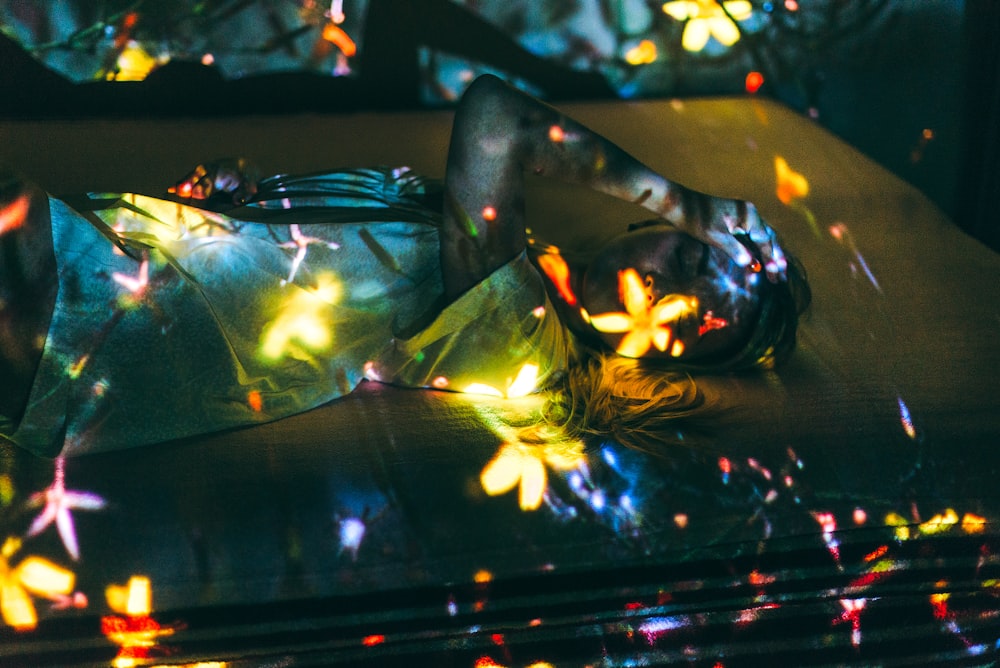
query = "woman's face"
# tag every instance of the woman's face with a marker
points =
(657, 292)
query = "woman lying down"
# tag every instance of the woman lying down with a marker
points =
(127, 320)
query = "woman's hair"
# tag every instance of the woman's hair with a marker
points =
(643, 403)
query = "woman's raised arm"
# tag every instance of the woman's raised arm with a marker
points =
(500, 134)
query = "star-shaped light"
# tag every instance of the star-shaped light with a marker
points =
(300, 242)
(709, 18)
(33, 575)
(645, 324)
(517, 462)
(59, 504)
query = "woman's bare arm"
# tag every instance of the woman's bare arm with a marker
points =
(501, 134)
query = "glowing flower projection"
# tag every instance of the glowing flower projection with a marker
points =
(791, 188)
(132, 629)
(133, 64)
(33, 575)
(791, 184)
(519, 463)
(709, 18)
(645, 324)
(303, 325)
(523, 384)
(58, 505)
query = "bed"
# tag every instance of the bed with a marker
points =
(844, 511)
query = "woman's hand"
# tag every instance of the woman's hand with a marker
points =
(232, 180)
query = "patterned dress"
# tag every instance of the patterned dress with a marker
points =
(174, 321)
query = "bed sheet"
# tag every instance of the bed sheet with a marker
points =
(845, 511)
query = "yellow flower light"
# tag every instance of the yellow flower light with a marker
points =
(134, 63)
(33, 575)
(523, 384)
(642, 53)
(302, 327)
(518, 463)
(791, 184)
(709, 18)
(645, 325)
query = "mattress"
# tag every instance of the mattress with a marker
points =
(843, 508)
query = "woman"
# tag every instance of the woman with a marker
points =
(169, 320)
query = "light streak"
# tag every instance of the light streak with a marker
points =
(905, 419)
(840, 232)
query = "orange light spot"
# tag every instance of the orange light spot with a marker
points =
(557, 134)
(754, 81)
(336, 36)
(486, 662)
(860, 516)
(482, 577)
(14, 214)
(440, 382)
(642, 53)
(372, 640)
(681, 520)
(791, 184)
(255, 400)
(973, 523)
(877, 553)
(677, 349)
(557, 270)
(489, 213)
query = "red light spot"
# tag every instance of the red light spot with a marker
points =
(634, 605)
(754, 81)
(372, 640)
(497, 639)
(489, 213)
(256, 401)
